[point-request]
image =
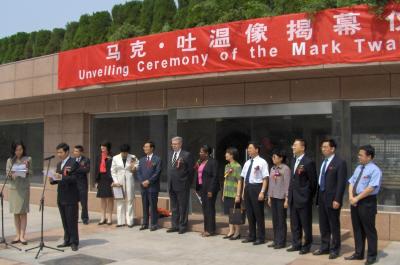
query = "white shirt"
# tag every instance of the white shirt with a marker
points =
(149, 156)
(297, 162)
(64, 161)
(177, 154)
(259, 170)
(326, 167)
(78, 159)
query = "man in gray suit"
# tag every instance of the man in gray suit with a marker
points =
(180, 177)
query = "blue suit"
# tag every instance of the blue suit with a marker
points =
(151, 171)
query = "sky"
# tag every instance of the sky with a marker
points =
(33, 15)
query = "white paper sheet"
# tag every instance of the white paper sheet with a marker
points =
(19, 170)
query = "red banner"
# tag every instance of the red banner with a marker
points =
(344, 35)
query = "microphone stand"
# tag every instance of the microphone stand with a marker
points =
(3, 239)
(41, 209)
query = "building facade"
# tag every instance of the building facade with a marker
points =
(355, 104)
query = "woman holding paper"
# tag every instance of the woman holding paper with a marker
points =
(19, 166)
(123, 167)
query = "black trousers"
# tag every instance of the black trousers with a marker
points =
(329, 224)
(279, 215)
(208, 206)
(255, 211)
(69, 218)
(149, 204)
(83, 198)
(180, 208)
(363, 221)
(301, 220)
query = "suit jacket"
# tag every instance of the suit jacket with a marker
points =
(150, 171)
(67, 190)
(303, 183)
(108, 167)
(335, 181)
(122, 174)
(209, 177)
(82, 170)
(180, 174)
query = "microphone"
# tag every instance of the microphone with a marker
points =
(49, 157)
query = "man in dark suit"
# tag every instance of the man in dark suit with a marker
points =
(332, 184)
(67, 195)
(148, 173)
(82, 181)
(302, 189)
(180, 178)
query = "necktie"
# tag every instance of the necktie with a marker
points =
(148, 163)
(296, 163)
(357, 181)
(174, 158)
(322, 175)
(247, 180)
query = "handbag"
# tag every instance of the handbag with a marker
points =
(237, 216)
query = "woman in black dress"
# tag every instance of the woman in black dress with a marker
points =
(104, 182)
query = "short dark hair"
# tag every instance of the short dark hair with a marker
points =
(125, 148)
(332, 143)
(14, 146)
(369, 150)
(63, 146)
(302, 141)
(79, 147)
(280, 153)
(255, 144)
(233, 152)
(106, 145)
(151, 143)
(206, 148)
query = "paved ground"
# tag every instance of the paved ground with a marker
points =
(117, 246)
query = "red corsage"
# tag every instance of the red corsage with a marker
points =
(257, 168)
(300, 169)
(277, 175)
(67, 170)
(179, 162)
(230, 170)
(197, 165)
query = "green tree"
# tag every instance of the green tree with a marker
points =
(41, 40)
(99, 26)
(70, 31)
(126, 13)
(56, 40)
(126, 31)
(28, 51)
(82, 35)
(136, 18)
(146, 16)
(163, 13)
(4, 42)
(21, 38)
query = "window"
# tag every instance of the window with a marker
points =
(133, 131)
(376, 126)
(31, 133)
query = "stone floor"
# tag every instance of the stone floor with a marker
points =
(110, 245)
